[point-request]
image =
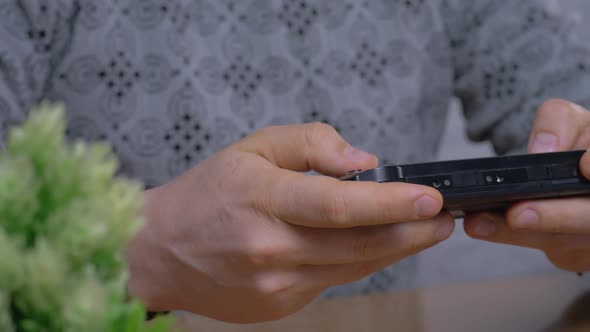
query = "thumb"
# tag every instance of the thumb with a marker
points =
(559, 125)
(311, 146)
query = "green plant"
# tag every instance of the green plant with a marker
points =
(64, 221)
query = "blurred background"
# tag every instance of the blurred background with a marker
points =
(463, 259)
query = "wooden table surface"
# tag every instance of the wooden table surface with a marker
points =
(552, 302)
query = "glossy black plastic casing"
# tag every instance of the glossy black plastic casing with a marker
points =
(490, 184)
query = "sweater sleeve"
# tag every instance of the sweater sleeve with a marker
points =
(34, 35)
(509, 57)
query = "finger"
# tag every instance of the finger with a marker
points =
(493, 228)
(305, 279)
(585, 164)
(324, 276)
(576, 260)
(312, 146)
(317, 201)
(363, 244)
(565, 215)
(328, 275)
(557, 127)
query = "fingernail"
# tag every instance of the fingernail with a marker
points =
(357, 155)
(427, 206)
(544, 142)
(527, 219)
(484, 228)
(444, 230)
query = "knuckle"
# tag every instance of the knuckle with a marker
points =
(225, 214)
(334, 209)
(389, 209)
(363, 248)
(237, 164)
(266, 255)
(317, 132)
(255, 138)
(415, 238)
(264, 203)
(282, 195)
(265, 132)
(319, 129)
(415, 242)
(370, 242)
(273, 285)
(264, 192)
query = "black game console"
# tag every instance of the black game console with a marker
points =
(490, 184)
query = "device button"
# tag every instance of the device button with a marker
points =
(438, 182)
(537, 173)
(505, 176)
(562, 171)
(467, 179)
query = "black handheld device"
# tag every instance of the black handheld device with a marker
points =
(490, 184)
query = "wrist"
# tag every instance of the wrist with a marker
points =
(146, 261)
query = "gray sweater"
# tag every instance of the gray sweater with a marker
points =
(169, 83)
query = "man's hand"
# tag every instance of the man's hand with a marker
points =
(245, 236)
(559, 227)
